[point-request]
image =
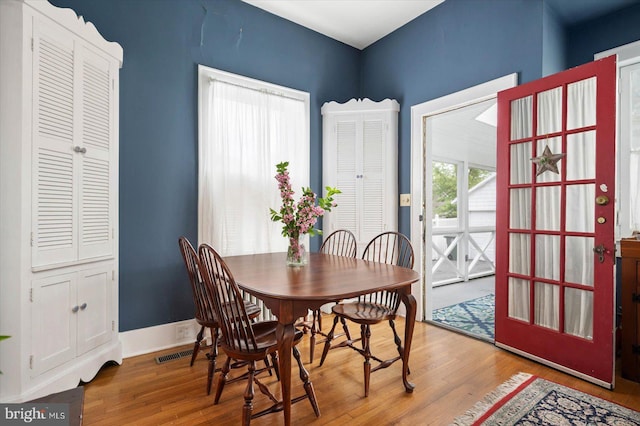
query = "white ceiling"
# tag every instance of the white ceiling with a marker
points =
(360, 23)
(357, 23)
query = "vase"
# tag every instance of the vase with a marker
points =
(296, 253)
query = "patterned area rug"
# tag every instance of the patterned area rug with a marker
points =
(475, 316)
(529, 400)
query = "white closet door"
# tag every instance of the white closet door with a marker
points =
(373, 179)
(55, 162)
(96, 139)
(94, 302)
(345, 216)
(53, 321)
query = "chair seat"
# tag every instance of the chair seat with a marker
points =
(253, 310)
(363, 312)
(266, 340)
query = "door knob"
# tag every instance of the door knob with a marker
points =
(602, 200)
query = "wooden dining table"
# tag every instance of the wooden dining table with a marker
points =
(290, 292)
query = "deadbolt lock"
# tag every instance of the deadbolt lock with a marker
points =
(602, 200)
(601, 220)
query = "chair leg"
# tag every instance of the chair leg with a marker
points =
(222, 380)
(276, 364)
(315, 327)
(327, 343)
(267, 364)
(248, 395)
(365, 331)
(397, 341)
(308, 386)
(196, 346)
(215, 333)
(345, 328)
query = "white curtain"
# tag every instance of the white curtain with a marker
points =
(244, 133)
(580, 164)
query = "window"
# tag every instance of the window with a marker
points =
(246, 127)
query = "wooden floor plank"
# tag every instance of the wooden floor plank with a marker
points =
(451, 372)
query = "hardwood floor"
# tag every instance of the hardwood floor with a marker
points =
(451, 372)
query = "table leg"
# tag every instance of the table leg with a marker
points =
(285, 334)
(411, 306)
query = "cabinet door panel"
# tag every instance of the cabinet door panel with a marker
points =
(55, 163)
(94, 316)
(95, 189)
(373, 181)
(345, 216)
(53, 321)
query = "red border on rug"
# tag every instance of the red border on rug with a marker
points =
(504, 400)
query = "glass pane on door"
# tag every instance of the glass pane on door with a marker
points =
(521, 118)
(550, 111)
(580, 205)
(578, 312)
(581, 156)
(581, 104)
(521, 163)
(547, 305)
(578, 266)
(519, 299)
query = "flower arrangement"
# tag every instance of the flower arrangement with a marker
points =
(299, 218)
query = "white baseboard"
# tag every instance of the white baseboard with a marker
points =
(150, 339)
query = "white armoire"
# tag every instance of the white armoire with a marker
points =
(58, 199)
(360, 158)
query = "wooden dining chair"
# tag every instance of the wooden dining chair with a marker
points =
(340, 243)
(392, 248)
(205, 312)
(245, 340)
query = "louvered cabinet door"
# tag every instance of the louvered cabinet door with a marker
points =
(96, 197)
(360, 159)
(373, 189)
(54, 196)
(345, 216)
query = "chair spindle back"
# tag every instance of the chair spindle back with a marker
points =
(235, 324)
(341, 243)
(392, 248)
(205, 311)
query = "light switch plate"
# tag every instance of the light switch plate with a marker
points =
(405, 200)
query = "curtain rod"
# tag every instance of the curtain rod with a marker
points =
(266, 91)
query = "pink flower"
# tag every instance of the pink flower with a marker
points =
(299, 218)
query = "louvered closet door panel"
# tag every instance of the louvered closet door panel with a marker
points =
(55, 163)
(345, 216)
(373, 178)
(96, 197)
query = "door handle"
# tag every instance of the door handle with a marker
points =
(600, 250)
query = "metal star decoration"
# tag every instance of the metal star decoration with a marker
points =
(547, 161)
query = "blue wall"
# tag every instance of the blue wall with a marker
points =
(597, 35)
(163, 42)
(553, 42)
(458, 44)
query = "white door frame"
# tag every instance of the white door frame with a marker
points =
(627, 55)
(421, 178)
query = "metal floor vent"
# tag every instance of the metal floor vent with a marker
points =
(170, 357)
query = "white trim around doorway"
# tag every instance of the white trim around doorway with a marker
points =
(421, 181)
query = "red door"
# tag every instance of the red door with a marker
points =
(555, 210)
